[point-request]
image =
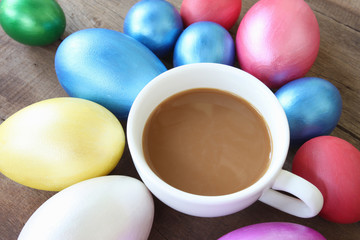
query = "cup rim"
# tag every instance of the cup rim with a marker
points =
(150, 178)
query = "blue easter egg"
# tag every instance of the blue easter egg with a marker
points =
(204, 42)
(155, 23)
(105, 66)
(312, 106)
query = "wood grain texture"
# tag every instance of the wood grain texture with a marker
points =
(27, 75)
(344, 12)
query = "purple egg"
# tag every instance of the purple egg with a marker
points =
(274, 231)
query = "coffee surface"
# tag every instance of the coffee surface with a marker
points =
(207, 142)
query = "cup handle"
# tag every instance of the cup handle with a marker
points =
(308, 200)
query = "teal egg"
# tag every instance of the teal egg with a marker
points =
(106, 67)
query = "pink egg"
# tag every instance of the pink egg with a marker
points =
(274, 231)
(333, 166)
(278, 41)
(223, 12)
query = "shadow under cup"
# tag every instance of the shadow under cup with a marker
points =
(221, 77)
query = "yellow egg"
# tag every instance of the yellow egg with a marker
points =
(55, 143)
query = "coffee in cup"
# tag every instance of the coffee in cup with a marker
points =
(208, 142)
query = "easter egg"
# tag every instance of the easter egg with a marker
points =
(333, 166)
(55, 143)
(110, 207)
(224, 12)
(32, 22)
(105, 66)
(278, 41)
(156, 24)
(312, 106)
(204, 42)
(274, 231)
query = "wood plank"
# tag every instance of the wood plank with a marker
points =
(346, 12)
(338, 61)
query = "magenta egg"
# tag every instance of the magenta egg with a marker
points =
(224, 12)
(278, 41)
(333, 166)
(274, 231)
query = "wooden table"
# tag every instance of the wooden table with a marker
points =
(27, 75)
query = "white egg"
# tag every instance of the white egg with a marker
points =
(109, 207)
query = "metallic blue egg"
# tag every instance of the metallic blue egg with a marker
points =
(105, 66)
(155, 23)
(312, 106)
(204, 42)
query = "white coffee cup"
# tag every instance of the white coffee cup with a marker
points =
(308, 200)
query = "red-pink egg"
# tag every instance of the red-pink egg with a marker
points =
(278, 41)
(333, 166)
(224, 12)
